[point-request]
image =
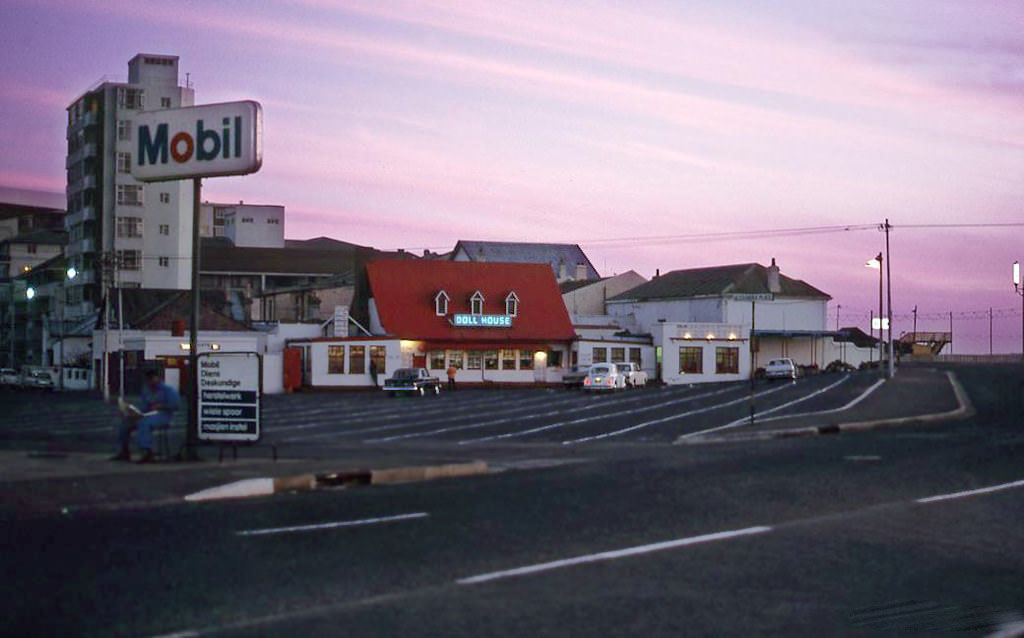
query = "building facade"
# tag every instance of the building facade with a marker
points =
(121, 232)
(244, 225)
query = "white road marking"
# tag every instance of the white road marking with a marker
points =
(746, 420)
(492, 422)
(877, 384)
(672, 417)
(332, 525)
(968, 493)
(596, 417)
(611, 555)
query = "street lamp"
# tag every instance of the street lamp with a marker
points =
(1019, 289)
(876, 262)
(30, 293)
(70, 274)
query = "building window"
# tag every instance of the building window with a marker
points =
(526, 359)
(634, 356)
(130, 98)
(124, 129)
(512, 304)
(476, 303)
(165, 229)
(165, 198)
(335, 359)
(379, 355)
(124, 162)
(129, 227)
(727, 360)
(435, 359)
(129, 194)
(164, 261)
(455, 358)
(555, 358)
(691, 360)
(600, 355)
(165, 102)
(357, 359)
(129, 259)
(30, 249)
(618, 355)
(273, 220)
(508, 359)
(441, 304)
(491, 360)
(473, 360)
(247, 220)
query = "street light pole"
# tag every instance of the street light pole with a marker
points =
(1019, 289)
(877, 263)
(888, 277)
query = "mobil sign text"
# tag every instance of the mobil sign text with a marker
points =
(198, 141)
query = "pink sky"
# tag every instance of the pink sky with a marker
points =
(415, 124)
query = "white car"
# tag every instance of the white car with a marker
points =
(781, 369)
(9, 378)
(604, 376)
(635, 377)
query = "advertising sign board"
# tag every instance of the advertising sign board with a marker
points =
(753, 296)
(198, 141)
(229, 396)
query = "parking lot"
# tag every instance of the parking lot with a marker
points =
(468, 417)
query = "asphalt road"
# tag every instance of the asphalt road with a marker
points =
(616, 536)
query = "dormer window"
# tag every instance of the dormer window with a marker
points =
(476, 303)
(441, 304)
(512, 304)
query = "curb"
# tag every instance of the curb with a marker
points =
(254, 487)
(963, 410)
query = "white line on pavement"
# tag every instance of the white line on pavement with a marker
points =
(965, 494)
(611, 555)
(746, 421)
(671, 417)
(332, 525)
(877, 384)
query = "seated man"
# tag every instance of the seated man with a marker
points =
(155, 409)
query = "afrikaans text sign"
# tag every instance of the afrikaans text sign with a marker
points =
(229, 396)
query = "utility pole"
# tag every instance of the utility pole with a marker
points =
(914, 342)
(990, 331)
(950, 332)
(888, 276)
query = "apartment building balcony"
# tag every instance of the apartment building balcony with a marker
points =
(89, 150)
(88, 181)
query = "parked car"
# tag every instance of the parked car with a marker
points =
(9, 378)
(781, 369)
(635, 377)
(574, 376)
(604, 376)
(412, 381)
(37, 380)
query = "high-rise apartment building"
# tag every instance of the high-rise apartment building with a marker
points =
(121, 232)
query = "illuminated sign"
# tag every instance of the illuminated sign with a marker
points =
(198, 141)
(482, 321)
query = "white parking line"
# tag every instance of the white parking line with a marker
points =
(672, 417)
(332, 525)
(596, 417)
(968, 493)
(611, 555)
(746, 420)
(874, 386)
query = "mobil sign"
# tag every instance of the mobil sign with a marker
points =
(198, 141)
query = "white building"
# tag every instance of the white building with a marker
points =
(245, 225)
(111, 218)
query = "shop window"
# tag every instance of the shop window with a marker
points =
(526, 359)
(476, 303)
(378, 355)
(455, 358)
(441, 304)
(357, 359)
(555, 358)
(491, 360)
(335, 359)
(508, 359)
(727, 360)
(575, 358)
(618, 355)
(634, 356)
(691, 360)
(435, 358)
(600, 355)
(512, 304)
(473, 360)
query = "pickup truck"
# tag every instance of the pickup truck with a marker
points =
(635, 377)
(412, 381)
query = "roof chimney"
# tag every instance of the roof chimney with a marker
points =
(562, 273)
(581, 272)
(480, 254)
(773, 278)
(657, 272)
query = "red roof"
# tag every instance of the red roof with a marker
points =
(404, 293)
